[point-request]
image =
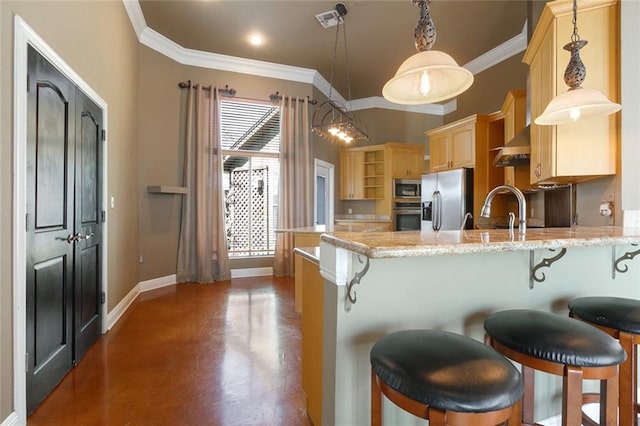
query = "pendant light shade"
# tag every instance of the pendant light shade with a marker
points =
(428, 76)
(577, 102)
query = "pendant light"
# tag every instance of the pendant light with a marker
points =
(332, 120)
(577, 102)
(428, 76)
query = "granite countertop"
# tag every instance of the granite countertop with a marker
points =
(362, 218)
(309, 253)
(340, 227)
(417, 243)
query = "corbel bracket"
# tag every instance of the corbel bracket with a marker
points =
(350, 292)
(627, 256)
(545, 263)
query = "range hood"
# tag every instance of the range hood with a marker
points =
(515, 152)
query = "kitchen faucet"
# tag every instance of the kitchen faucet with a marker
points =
(522, 206)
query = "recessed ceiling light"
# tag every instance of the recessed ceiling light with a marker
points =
(256, 39)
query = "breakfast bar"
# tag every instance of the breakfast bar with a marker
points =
(379, 282)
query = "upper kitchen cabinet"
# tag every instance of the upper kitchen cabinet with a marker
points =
(362, 173)
(587, 148)
(351, 174)
(514, 110)
(407, 160)
(453, 145)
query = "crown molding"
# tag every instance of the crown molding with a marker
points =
(380, 102)
(135, 16)
(182, 55)
(504, 51)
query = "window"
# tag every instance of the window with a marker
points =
(250, 137)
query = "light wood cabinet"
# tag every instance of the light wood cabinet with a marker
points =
(308, 273)
(453, 146)
(374, 168)
(514, 110)
(351, 175)
(587, 148)
(362, 173)
(407, 161)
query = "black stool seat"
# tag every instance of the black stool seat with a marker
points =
(446, 371)
(612, 312)
(554, 338)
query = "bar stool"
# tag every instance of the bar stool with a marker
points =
(620, 318)
(446, 378)
(562, 346)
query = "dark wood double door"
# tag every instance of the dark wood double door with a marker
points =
(64, 226)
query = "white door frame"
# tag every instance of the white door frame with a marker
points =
(24, 35)
(318, 165)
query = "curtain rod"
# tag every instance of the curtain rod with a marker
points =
(226, 91)
(274, 97)
(277, 97)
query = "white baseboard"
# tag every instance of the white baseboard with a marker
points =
(114, 315)
(251, 272)
(121, 308)
(157, 283)
(11, 420)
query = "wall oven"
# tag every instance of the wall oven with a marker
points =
(406, 215)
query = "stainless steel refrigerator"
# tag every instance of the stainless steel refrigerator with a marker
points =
(447, 200)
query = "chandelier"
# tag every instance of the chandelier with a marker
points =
(428, 76)
(577, 102)
(331, 120)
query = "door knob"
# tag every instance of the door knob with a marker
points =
(72, 238)
(85, 237)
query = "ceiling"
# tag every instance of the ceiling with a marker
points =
(379, 33)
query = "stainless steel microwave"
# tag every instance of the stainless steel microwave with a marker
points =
(406, 188)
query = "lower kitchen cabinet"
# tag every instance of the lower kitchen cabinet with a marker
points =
(308, 272)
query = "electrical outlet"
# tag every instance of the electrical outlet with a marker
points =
(349, 211)
(141, 259)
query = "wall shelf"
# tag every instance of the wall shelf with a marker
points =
(164, 189)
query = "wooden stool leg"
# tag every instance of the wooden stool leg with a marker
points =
(515, 419)
(628, 381)
(376, 401)
(572, 396)
(609, 401)
(436, 417)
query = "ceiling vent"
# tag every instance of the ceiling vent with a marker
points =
(333, 17)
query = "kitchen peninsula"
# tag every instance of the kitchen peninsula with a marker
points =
(376, 283)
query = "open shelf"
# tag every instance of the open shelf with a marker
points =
(164, 189)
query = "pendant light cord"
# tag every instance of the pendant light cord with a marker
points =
(346, 58)
(575, 37)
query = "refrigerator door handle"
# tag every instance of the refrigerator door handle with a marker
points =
(437, 210)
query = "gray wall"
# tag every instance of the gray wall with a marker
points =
(96, 39)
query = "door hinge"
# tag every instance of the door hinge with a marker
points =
(26, 362)
(28, 81)
(103, 135)
(26, 222)
(103, 216)
(103, 298)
